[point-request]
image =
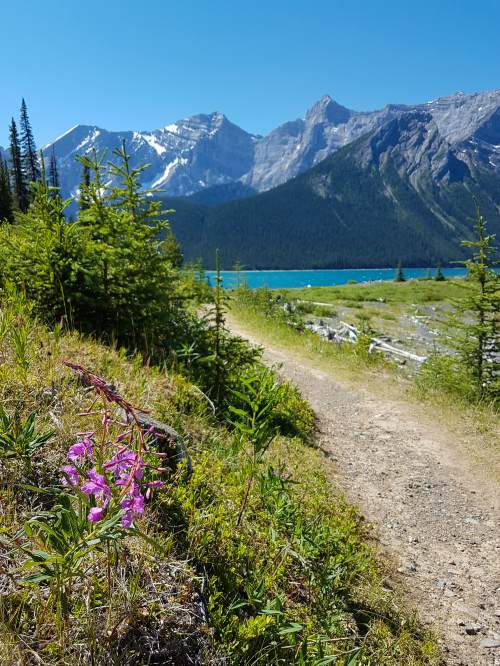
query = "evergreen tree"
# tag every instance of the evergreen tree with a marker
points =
(439, 277)
(136, 289)
(84, 200)
(53, 172)
(477, 316)
(399, 277)
(6, 208)
(238, 268)
(19, 187)
(29, 155)
(46, 256)
(172, 250)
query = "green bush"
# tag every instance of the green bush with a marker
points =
(108, 272)
(446, 374)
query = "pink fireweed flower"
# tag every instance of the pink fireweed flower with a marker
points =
(124, 435)
(153, 484)
(130, 485)
(97, 485)
(82, 449)
(95, 514)
(133, 506)
(71, 477)
(121, 462)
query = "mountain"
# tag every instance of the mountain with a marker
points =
(204, 151)
(185, 157)
(337, 188)
(403, 191)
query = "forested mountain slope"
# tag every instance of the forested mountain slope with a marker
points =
(401, 192)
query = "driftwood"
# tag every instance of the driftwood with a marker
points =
(384, 347)
(167, 440)
(345, 332)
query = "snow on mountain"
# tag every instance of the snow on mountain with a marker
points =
(194, 153)
(208, 150)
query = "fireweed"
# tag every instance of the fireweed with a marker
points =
(113, 468)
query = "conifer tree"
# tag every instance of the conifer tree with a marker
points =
(172, 250)
(477, 316)
(53, 172)
(219, 328)
(6, 209)
(399, 277)
(29, 155)
(135, 286)
(19, 187)
(83, 200)
(439, 277)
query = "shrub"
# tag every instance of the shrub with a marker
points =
(446, 374)
(109, 272)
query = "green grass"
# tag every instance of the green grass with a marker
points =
(295, 583)
(412, 291)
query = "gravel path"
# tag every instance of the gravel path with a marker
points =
(435, 513)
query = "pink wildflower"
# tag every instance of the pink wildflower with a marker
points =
(121, 462)
(153, 484)
(71, 477)
(96, 485)
(133, 506)
(95, 514)
(82, 449)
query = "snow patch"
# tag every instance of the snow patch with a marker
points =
(174, 129)
(169, 170)
(153, 143)
(88, 139)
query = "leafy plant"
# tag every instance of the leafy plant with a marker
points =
(58, 543)
(258, 395)
(18, 438)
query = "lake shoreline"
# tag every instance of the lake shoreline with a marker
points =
(297, 279)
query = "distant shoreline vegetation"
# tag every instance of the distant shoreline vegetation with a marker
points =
(281, 279)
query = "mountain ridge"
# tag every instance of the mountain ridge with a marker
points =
(207, 150)
(400, 192)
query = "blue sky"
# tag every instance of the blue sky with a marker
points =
(125, 64)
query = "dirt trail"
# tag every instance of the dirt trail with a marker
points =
(435, 513)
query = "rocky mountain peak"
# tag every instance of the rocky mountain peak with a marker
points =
(327, 110)
(206, 150)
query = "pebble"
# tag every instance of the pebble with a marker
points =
(490, 643)
(472, 629)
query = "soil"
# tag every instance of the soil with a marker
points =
(434, 510)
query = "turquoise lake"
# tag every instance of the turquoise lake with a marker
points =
(327, 278)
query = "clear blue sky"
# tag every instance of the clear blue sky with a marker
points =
(141, 64)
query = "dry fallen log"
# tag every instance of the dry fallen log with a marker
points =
(167, 440)
(347, 333)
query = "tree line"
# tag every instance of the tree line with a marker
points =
(22, 167)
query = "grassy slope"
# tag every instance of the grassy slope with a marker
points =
(298, 557)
